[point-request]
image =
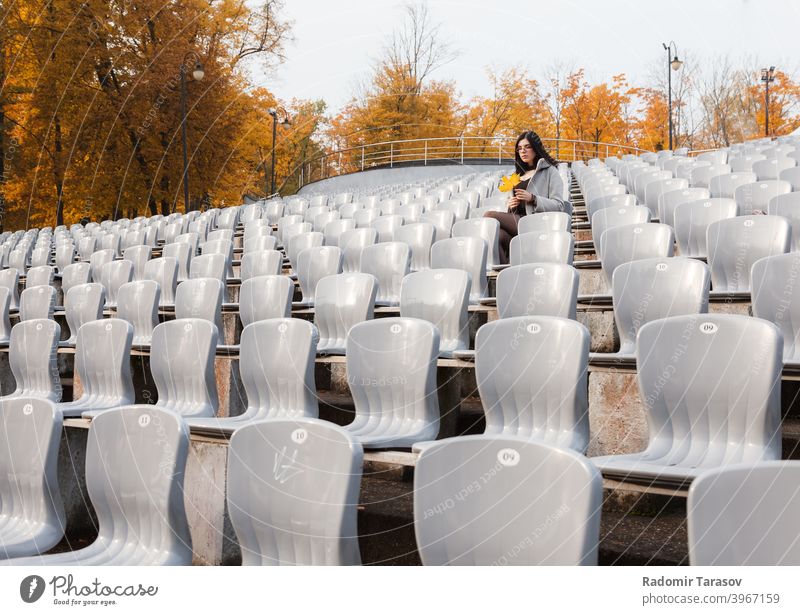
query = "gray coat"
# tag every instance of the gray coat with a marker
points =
(548, 187)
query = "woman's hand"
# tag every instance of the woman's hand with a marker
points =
(523, 196)
(513, 203)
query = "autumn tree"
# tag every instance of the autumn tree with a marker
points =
(92, 100)
(401, 100)
(597, 113)
(515, 104)
(784, 103)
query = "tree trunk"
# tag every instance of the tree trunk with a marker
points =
(58, 174)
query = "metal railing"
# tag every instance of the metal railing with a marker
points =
(443, 150)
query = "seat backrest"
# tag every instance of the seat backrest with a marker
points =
(32, 356)
(352, 243)
(285, 222)
(293, 230)
(440, 296)
(201, 298)
(792, 176)
(386, 226)
(262, 262)
(190, 238)
(545, 221)
(775, 297)
(725, 185)
(260, 243)
(347, 211)
(137, 303)
(701, 176)
(668, 201)
(275, 468)
(313, 264)
(692, 221)
(389, 262)
(222, 234)
(5, 320)
(341, 301)
(532, 374)
(138, 256)
(143, 510)
(334, 229)
(543, 247)
(654, 190)
(534, 504)
(86, 247)
(411, 213)
(632, 242)
(754, 198)
(442, 219)
(83, 303)
(65, 255)
(102, 359)
(322, 219)
(610, 217)
(209, 266)
(37, 302)
(771, 168)
(419, 237)
(487, 229)
(300, 242)
(164, 271)
(710, 384)
(656, 288)
(277, 358)
(391, 371)
(112, 276)
(111, 241)
(41, 275)
(17, 259)
(264, 297)
(9, 278)
(467, 253)
(735, 244)
(643, 179)
(312, 212)
(788, 206)
(182, 253)
(219, 246)
(30, 429)
(537, 289)
(745, 515)
(615, 200)
(182, 364)
(96, 262)
(459, 207)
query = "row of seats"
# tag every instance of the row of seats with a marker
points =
(478, 500)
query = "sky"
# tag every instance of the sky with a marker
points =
(336, 42)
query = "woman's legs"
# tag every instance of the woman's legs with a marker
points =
(508, 229)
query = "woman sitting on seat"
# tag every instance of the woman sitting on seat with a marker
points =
(540, 188)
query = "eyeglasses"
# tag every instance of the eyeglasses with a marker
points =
(523, 148)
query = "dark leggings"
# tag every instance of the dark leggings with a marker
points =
(508, 229)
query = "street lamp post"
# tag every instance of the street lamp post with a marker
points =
(266, 173)
(274, 112)
(673, 63)
(197, 74)
(767, 76)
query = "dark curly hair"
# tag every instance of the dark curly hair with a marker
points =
(538, 150)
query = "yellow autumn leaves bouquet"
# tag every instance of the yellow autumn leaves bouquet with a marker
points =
(507, 182)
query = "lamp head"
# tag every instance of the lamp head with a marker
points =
(676, 63)
(198, 73)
